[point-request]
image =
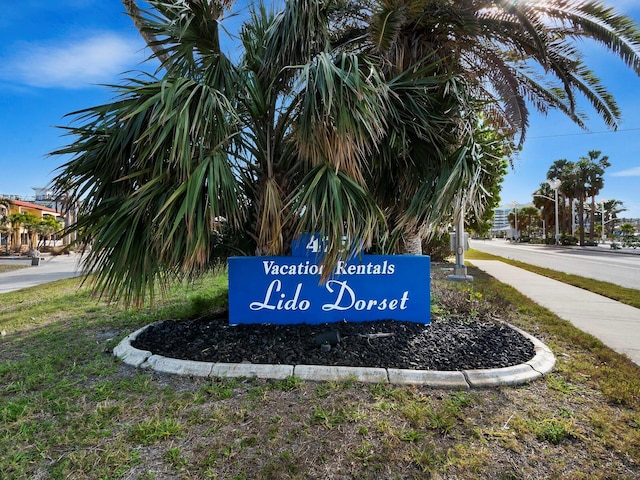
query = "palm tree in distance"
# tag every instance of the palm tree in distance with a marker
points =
(587, 172)
(595, 180)
(558, 171)
(5, 222)
(333, 120)
(580, 180)
(612, 208)
(543, 200)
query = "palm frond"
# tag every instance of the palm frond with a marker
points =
(151, 172)
(341, 113)
(332, 203)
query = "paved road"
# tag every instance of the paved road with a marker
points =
(597, 263)
(49, 270)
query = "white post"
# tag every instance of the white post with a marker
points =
(602, 232)
(460, 269)
(515, 212)
(557, 225)
(603, 236)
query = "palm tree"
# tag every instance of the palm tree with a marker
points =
(595, 180)
(584, 178)
(31, 223)
(612, 208)
(526, 219)
(5, 223)
(559, 170)
(606, 213)
(512, 53)
(16, 219)
(334, 120)
(543, 199)
(276, 145)
(47, 227)
(495, 46)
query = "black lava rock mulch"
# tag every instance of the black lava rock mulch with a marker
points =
(448, 345)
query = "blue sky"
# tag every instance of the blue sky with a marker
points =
(55, 55)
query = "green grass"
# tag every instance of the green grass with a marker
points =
(625, 295)
(9, 268)
(69, 409)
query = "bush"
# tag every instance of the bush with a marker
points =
(630, 241)
(438, 248)
(568, 240)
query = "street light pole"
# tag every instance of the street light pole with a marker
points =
(515, 210)
(555, 184)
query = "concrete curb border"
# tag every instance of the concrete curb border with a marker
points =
(542, 363)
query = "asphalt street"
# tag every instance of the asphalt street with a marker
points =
(620, 267)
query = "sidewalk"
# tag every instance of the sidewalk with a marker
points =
(615, 324)
(51, 268)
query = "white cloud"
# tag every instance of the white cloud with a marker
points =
(96, 59)
(630, 172)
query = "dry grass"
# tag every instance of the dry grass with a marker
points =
(8, 268)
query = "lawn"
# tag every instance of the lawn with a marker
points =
(68, 409)
(8, 268)
(628, 296)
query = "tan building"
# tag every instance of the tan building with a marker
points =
(18, 235)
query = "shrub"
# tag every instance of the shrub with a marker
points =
(568, 240)
(438, 248)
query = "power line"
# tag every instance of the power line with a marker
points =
(586, 133)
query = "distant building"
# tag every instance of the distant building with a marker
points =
(500, 219)
(501, 225)
(18, 235)
(46, 203)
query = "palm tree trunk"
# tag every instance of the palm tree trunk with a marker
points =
(593, 217)
(134, 12)
(563, 211)
(412, 242)
(581, 219)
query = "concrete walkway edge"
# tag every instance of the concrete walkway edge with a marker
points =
(542, 363)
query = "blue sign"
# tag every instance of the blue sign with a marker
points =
(289, 290)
